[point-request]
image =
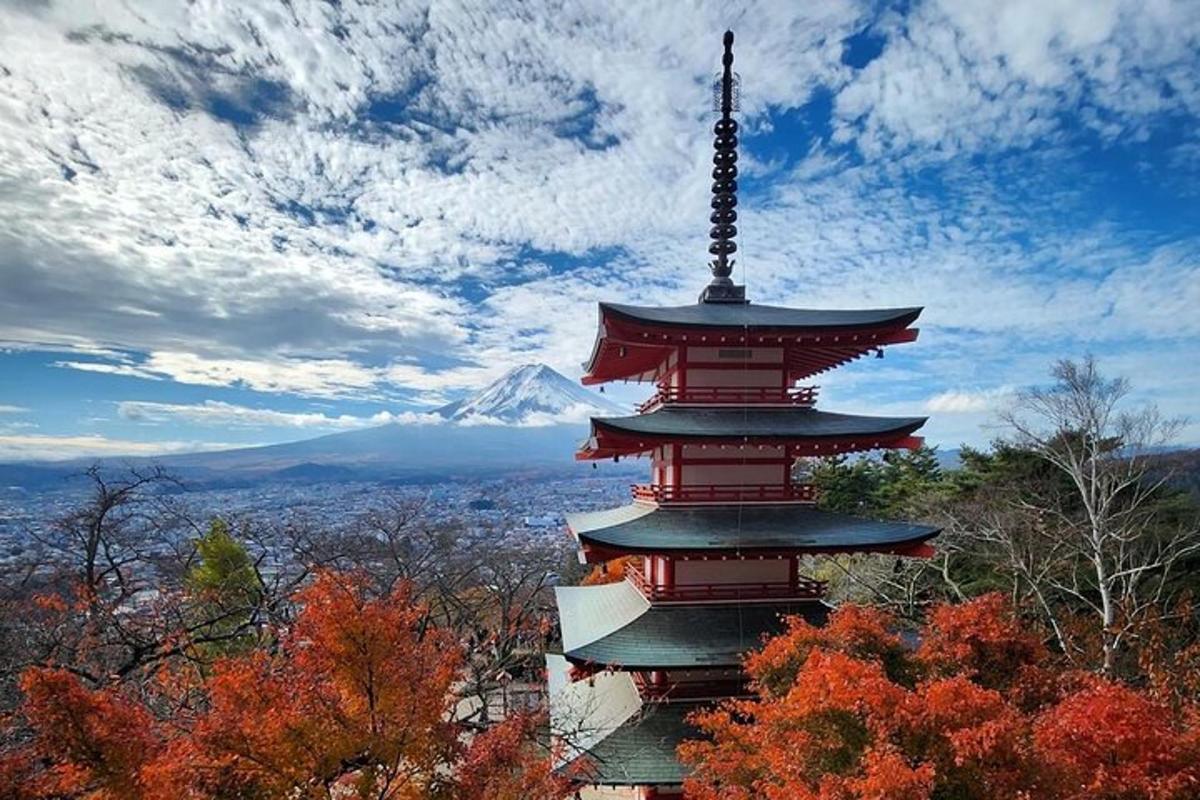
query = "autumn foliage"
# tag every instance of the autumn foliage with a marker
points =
(611, 571)
(978, 709)
(355, 699)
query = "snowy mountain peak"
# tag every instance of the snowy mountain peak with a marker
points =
(531, 394)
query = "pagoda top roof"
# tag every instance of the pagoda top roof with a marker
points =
(743, 315)
(614, 624)
(634, 342)
(673, 423)
(643, 528)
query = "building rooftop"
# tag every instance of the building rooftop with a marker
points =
(642, 528)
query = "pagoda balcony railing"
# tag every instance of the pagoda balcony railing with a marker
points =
(734, 493)
(804, 589)
(804, 396)
(689, 690)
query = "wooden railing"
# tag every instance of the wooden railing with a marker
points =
(690, 690)
(805, 588)
(770, 493)
(732, 395)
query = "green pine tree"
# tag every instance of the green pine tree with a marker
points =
(225, 592)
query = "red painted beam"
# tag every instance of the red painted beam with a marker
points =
(627, 348)
(608, 443)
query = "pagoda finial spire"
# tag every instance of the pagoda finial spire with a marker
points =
(724, 202)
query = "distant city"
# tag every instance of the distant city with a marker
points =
(517, 510)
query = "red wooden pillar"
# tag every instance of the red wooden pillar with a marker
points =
(676, 465)
(681, 365)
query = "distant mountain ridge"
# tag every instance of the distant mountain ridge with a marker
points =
(530, 419)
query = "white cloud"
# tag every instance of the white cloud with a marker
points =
(962, 76)
(322, 377)
(965, 402)
(38, 447)
(217, 413)
(403, 160)
(12, 409)
(137, 218)
(310, 377)
(127, 370)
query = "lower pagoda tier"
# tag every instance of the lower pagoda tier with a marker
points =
(750, 529)
(612, 736)
(642, 751)
(615, 626)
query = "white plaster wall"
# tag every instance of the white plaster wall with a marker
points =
(716, 571)
(734, 377)
(734, 474)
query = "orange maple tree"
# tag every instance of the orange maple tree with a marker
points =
(978, 709)
(356, 699)
(611, 571)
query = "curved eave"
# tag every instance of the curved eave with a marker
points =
(687, 637)
(758, 530)
(593, 552)
(632, 342)
(641, 752)
(808, 431)
(768, 319)
(615, 360)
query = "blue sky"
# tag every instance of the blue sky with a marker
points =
(231, 224)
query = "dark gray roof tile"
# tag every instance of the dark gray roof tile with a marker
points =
(731, 423)
(649, 529)
(642, 751)
(694, 636)
(738, 315)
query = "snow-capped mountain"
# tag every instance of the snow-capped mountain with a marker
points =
(530, 395)
(532, 418)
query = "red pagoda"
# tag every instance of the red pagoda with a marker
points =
(720, 528)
